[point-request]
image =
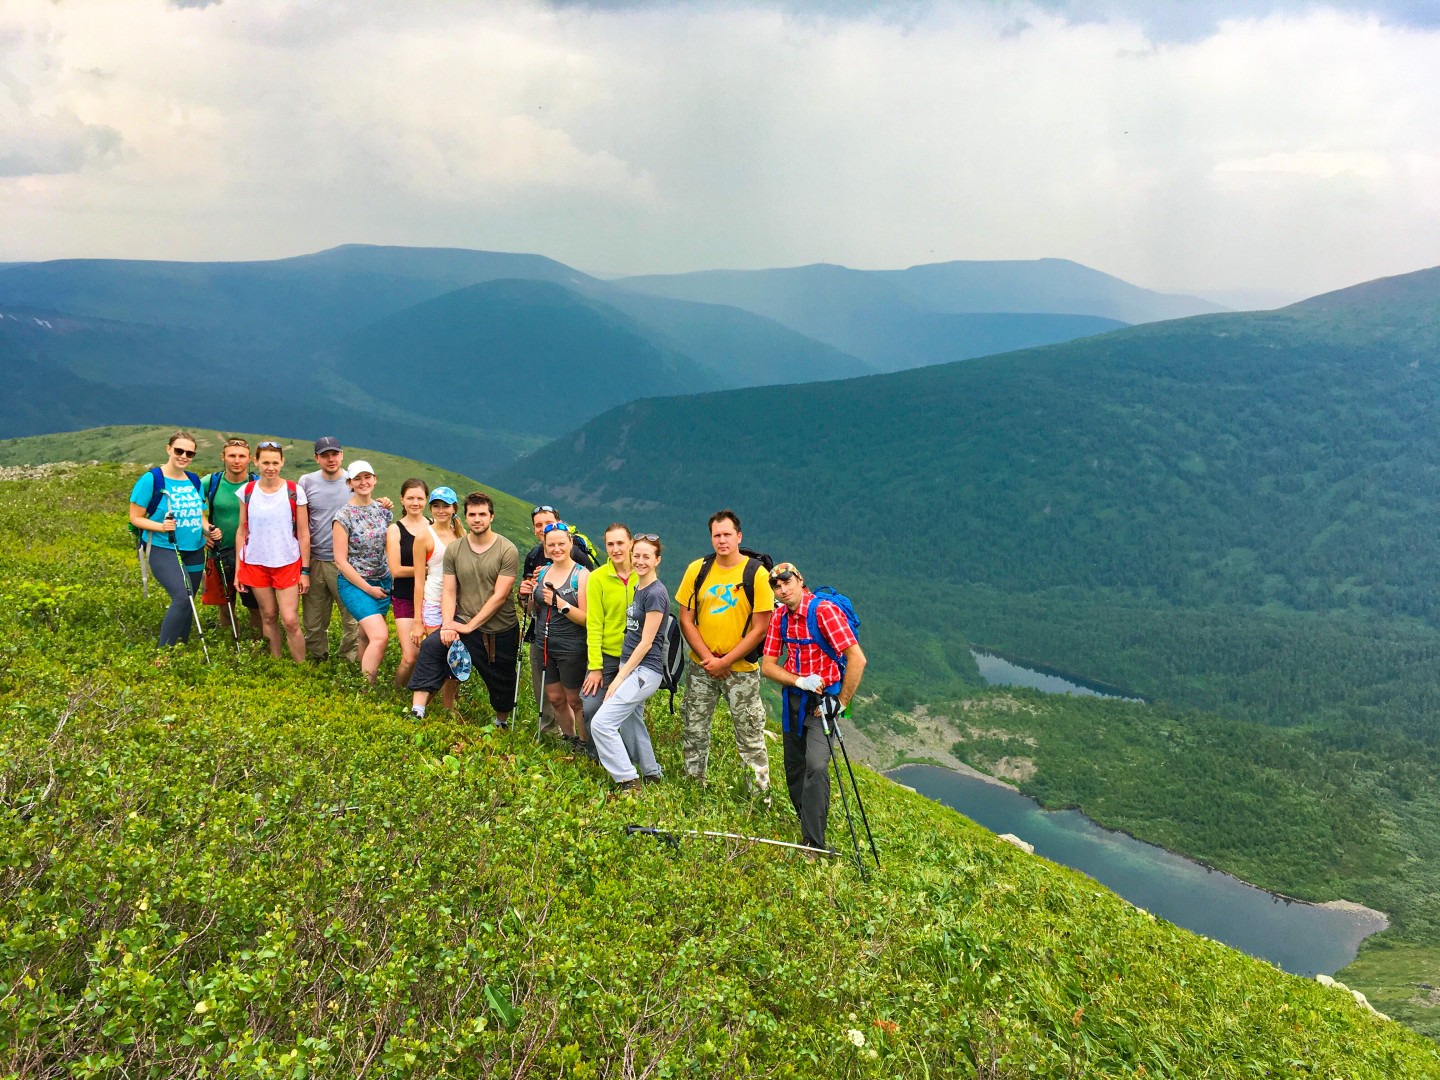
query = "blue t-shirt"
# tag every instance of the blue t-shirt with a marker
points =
(182, 499)
(653, 597)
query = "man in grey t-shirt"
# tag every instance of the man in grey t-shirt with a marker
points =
(327, 492)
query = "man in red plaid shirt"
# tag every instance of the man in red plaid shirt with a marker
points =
(806, 675)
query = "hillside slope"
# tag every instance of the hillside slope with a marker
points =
(252, 866)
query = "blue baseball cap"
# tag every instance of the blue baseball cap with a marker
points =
(445, 495)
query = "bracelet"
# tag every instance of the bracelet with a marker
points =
(305, 570)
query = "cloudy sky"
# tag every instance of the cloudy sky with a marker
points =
(1184, 146)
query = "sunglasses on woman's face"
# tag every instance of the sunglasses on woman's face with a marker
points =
(181, 453)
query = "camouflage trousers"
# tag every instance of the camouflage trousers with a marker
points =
(742, 693)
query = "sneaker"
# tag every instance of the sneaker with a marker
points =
(652, 778)
(586, 747)
(411, 714)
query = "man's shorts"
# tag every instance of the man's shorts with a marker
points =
(270, 577)
(226, 558)
(492, 657)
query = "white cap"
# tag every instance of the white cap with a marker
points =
(358, 467)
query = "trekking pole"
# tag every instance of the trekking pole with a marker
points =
(185, 583)
(522, 657)
(834, 720)
(225, 584)
(672, 838)
(142, 556)
(844, 799)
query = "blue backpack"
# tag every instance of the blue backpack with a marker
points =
(157, 478)
(812, 623)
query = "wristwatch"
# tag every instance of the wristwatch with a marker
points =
(566, 609)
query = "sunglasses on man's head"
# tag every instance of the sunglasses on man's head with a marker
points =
(237, 442)
(544, 510)
(554, 525)
(783, 575)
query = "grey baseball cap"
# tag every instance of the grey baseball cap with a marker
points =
(327, 442)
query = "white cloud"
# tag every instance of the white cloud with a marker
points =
(1294, 150)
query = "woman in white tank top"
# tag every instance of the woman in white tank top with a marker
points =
(429, 575)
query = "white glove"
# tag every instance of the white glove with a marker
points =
(812, 683)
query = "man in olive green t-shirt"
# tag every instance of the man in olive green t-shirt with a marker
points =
(476, 607)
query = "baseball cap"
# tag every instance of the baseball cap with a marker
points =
(327, 442)
(445, 495)
(784, 572)
(358, 467)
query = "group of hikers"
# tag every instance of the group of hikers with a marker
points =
(598, 628)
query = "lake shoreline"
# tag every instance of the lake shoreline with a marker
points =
(1352, 907)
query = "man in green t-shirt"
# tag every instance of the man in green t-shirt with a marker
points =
(222, 518)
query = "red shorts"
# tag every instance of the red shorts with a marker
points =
(403, 609)
(269, 577)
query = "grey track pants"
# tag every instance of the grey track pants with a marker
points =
(622, 710)
(175, 627)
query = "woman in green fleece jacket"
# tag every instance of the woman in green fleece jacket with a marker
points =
(607, 594)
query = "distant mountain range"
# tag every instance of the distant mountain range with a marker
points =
(474, 357)
(1059, 501)
(893, 318)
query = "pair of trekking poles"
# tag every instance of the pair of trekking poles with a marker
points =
(189, 594)
(828, 712)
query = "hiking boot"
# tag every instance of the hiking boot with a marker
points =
(586, 747)
(626, 789)
(652, 778)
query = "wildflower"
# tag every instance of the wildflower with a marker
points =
(887, 1026)
(855, 1036)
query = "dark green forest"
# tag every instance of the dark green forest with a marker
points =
(1230, 511)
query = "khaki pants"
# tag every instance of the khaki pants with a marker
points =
(324, 595)
(741, 691)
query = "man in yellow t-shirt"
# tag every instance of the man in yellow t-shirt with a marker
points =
(724, 628)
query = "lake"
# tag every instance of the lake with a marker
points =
(1299, 938)
(997, 670)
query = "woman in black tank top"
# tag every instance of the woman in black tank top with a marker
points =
(400, 550)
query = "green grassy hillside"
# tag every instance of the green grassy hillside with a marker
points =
(256, 869)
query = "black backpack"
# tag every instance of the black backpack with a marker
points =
(674, 664)
(754, 562)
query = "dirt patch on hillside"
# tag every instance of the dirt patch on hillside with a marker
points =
(1018, 769)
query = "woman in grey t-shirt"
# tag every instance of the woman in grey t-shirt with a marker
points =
(642, 662)
(364, 584)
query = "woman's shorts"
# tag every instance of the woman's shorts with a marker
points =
(403, 607)
(568, 671)
(432, 616)
(362, 605)
(269, 577)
